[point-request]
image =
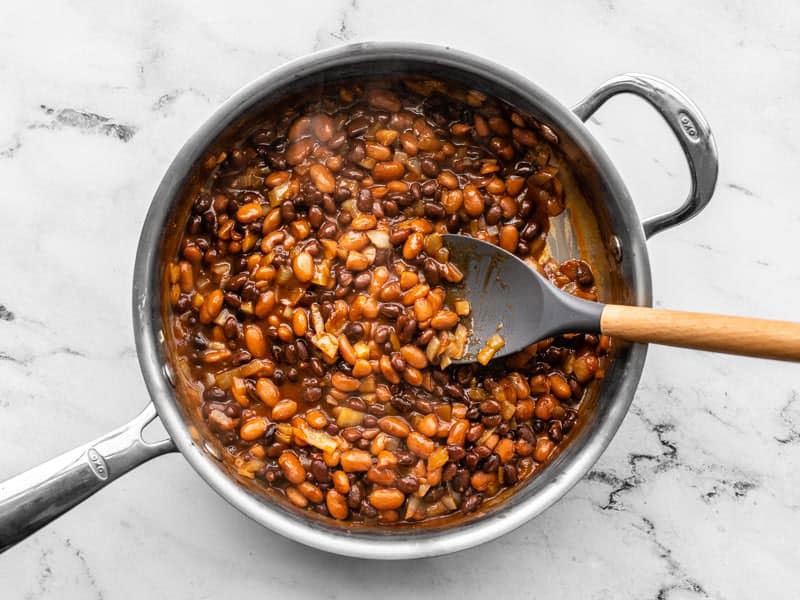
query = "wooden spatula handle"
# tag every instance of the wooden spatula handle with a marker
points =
(717, 333)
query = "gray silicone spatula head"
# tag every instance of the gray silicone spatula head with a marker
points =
(509, 298)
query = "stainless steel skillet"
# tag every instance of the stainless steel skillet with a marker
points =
(604, 223)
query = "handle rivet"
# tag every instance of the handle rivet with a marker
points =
(166, 370)
(615, 246)
(212, 450)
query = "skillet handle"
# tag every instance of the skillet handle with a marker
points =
(32, 499)
(688, 125)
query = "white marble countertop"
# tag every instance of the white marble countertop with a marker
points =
(697, 496)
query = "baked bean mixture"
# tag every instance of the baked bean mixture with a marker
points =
(312, 307)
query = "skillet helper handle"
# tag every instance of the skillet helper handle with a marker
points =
(32, 499)
(686, 122)
(779, 340)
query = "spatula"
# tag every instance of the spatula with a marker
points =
(514, 305)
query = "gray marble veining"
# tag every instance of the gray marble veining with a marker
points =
(697, 497)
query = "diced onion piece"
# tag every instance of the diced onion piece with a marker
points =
(284, 433)
(462, 308)
(379, 238)
(449, 502)
(327, 344)
(362, 350)
(285, 275)
(322, 274)
(432, 349)
(496, 342)
(254, 367)
(249, 468)
(348, 417)
(367, 385)
(315, 437)
(316, 318)
(349, 206)
(277, 194)
(493, 344)
(508, 410)
(438, 458)
(222, 317)
(487, 433)
(413, 504)
(239, 391)
(436, 509)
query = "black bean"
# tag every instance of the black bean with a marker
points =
(390, 208)
(382, 333)
(364, 201)
(408, 484)
(460, 481)
(362, 280)
(368, 510)
(319, 470)
(241, 357)
(471, 460)
(456, 453)
(302, 350)
(434, 210)
(398, 364)
(492, 420)
(425, 337)
(327, 230)
(509, 474)
(584, 274)
(287, 212)
(429, 167)
(555, 431)
(290, 354)
(494, 214)
(408, 329)
(316, 367)
(316, 216)
(382, 256)
(202, 204)
(482, 451)
(525, 208)
(354, 497)
(214, 394)
(312, 395)
(390, 310)
(401, 404)
(354, 331)
(470, 503)
(377, 410)
(429, 188)
(435, 494)
(357, 127)
(398, 236)
(491, 464)
(530, 231)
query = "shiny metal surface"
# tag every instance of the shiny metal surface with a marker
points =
(688, 125)
(34, 498)
(49, 486)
